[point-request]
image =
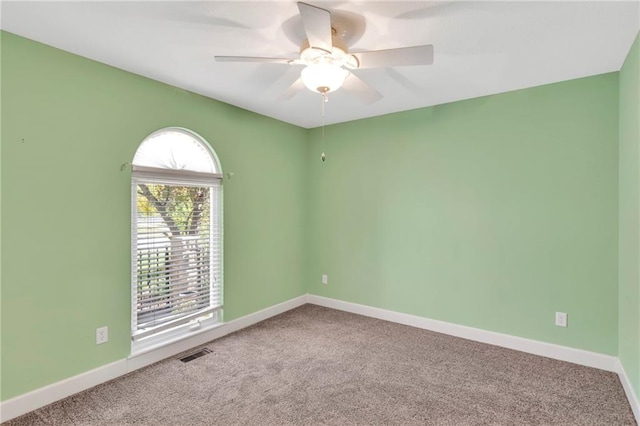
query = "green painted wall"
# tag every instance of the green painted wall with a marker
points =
(69, 126)
(629, 208)
(493, 212)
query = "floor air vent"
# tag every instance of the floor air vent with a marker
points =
(191, 357)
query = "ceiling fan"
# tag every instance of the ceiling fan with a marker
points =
(328, 62)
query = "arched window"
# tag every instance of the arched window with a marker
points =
(176, 237)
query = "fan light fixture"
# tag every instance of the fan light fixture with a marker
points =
(325, 55)
(323, 77)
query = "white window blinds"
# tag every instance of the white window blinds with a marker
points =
(176, 249)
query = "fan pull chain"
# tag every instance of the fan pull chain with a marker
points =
(323, 157)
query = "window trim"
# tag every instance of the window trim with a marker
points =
(171, 174)
(196, 322)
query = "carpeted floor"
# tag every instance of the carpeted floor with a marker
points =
(314, 365)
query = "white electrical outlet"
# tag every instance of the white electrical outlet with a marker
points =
(102, 335)
(325, 279)
(561, 319)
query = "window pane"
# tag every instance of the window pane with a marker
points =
(175, 150)
(173, 252)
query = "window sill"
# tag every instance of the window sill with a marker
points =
(171, 336)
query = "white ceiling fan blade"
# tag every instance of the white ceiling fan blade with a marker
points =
(252, 59)
(293, 90)
(317, 25)
(401, 57)
(360, 89)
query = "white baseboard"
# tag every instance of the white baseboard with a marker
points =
(46, 395)
(550, 350)
(631, 395)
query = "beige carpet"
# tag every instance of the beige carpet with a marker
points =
(315, 365)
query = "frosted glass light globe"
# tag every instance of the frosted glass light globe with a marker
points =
(323, 77)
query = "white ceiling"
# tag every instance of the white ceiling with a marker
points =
(481, 48)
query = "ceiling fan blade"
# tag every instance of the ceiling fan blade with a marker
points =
(401, 57)
(362, 90)
(317, 25)
(252, 59)
(292, 90)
